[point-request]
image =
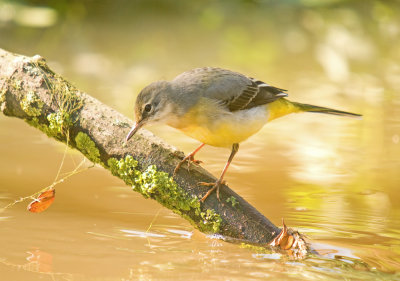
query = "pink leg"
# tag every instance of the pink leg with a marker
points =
(217, 184)
(189, 158)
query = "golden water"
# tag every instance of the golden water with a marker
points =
(334, 179)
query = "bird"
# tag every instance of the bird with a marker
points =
(217, 107)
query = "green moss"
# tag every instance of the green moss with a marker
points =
(17, 85)
(125, 169)
(257, 249)
(161, 187)
(85, 145)
(59, 122)
(35, 123)
(64, 97)
(31, 104)
(40, 63)
(67, 101)
(233, 201)
(211, 220)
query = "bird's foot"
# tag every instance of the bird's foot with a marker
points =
(189, 159)
(214, 186)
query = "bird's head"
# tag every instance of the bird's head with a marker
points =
(151, 105)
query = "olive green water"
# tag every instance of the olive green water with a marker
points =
(334, 179)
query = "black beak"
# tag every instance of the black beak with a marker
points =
(134, 129)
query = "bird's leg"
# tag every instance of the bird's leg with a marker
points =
(220, 181)
(189, 158)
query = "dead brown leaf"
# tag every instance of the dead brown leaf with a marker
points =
(44, 200)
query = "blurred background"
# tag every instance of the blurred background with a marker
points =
(334, 179)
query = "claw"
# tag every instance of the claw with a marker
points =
(214, 186)
(177, 167)
(189, 159)
(206, 183)
(198, 162)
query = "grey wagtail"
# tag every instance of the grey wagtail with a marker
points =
(218, 107)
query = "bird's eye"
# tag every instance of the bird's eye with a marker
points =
(147, 107)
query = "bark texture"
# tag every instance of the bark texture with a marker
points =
(31, 91)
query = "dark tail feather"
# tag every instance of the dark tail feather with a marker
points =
(320, 109)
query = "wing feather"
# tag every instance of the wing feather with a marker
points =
(231, 89)
(241, 101)
(255, 94)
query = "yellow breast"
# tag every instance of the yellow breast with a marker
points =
(211, 124)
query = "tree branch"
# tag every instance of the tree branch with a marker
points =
(31, 91)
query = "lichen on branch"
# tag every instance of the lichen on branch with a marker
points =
(158, 185)
(87, 146)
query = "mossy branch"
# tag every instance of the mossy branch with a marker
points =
(31, 91)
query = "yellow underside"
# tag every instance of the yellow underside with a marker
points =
(281, 107)
(211, 125)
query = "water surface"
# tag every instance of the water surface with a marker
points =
(334, 179)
